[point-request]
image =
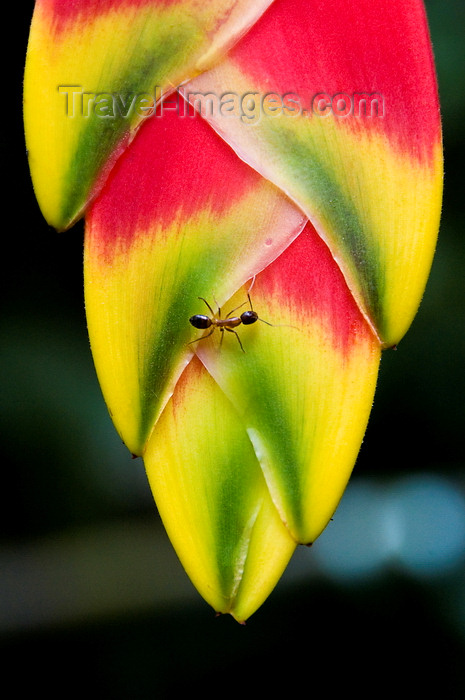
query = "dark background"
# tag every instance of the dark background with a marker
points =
(92, 596)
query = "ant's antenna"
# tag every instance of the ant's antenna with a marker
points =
(251, 285)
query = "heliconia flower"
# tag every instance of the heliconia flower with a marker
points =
(189, 229)
(297, 244)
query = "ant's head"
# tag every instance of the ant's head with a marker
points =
(249, 317)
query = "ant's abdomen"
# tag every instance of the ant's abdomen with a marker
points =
(200, 321)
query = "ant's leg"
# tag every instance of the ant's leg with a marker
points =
(237, 307)
(218, 308)
(203, 337)
(230, 330)
(211, 310)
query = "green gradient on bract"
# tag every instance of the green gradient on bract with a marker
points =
(194, 263)
(169, 339)
(234, 524)
(271, 415)
(312, 173)
(262, 389)
(101, 136)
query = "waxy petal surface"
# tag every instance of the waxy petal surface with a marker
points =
(181, 217)
(304, 386)
(213, 499)
(93, 72)
(370, 181)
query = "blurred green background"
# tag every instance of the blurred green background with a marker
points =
(92, 596)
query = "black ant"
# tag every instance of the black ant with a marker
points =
(228, 323)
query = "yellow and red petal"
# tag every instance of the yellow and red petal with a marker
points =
(304, 386)
(180, 217)
(337, 104)
(93, 73)
(212, 497)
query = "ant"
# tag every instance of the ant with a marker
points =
(228, 323)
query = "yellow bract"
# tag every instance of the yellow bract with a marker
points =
(213, 499)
